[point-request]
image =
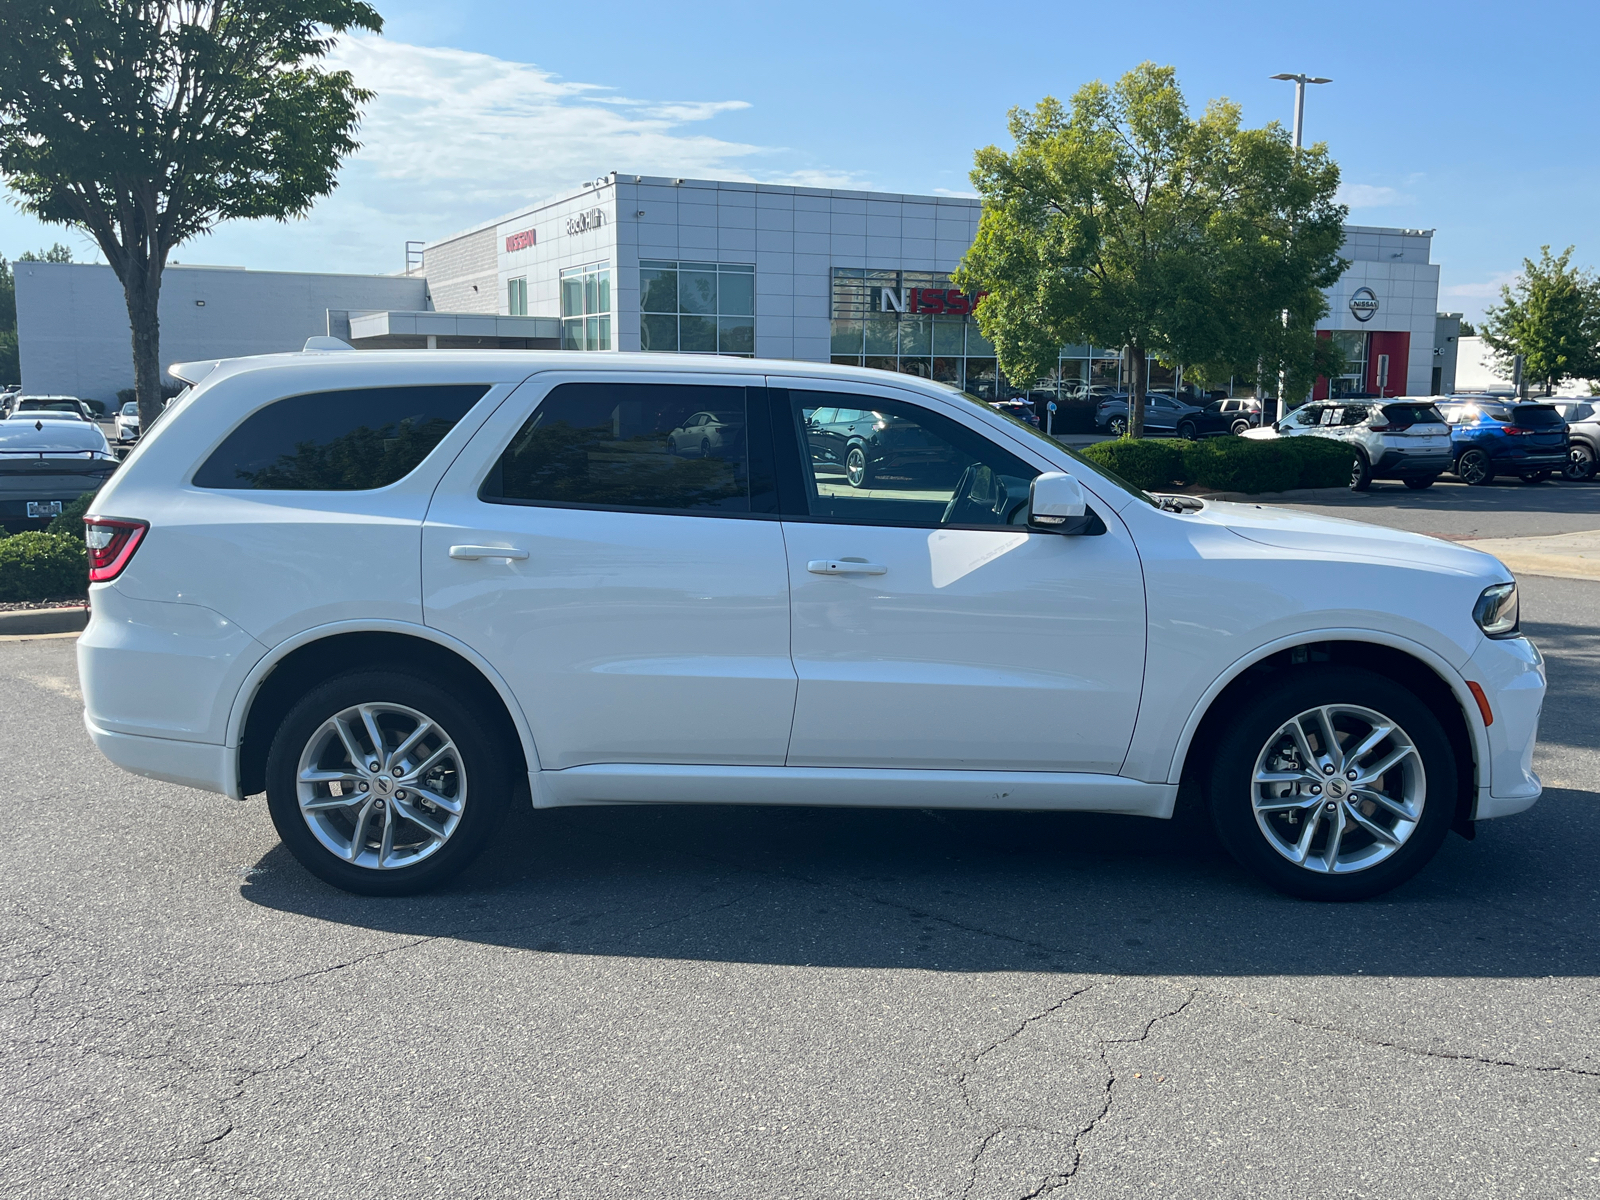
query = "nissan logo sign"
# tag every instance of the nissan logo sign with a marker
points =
(1363, 304)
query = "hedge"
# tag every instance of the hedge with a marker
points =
(1229, 464)
(43, 566)
(71, 519)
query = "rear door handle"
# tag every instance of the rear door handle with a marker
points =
(844, 566)
(477, 552)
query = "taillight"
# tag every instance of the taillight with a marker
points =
(112, 542)
(1517, 429)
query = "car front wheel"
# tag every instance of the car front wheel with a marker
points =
(1335, 784)
(1187, 432)
(1239, 427)
(386, 784)
(856, 472)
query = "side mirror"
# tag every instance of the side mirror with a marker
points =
(1056, 504)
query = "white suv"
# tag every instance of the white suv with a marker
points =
(398, 590)
(1405, 438)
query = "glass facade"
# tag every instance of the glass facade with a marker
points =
(517, 297)
(945, 346)
(1352, 381)
(586, 307)
(697, 308)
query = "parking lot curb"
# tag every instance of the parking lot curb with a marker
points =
(32, 621)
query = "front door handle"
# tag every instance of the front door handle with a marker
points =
(844, 566)
(472, 553)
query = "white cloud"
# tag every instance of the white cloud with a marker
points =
(1367, 195)
(455, 137)
(965, 195)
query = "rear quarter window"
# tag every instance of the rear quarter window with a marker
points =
(1540, 416)
(351, 440)
(1412, 414)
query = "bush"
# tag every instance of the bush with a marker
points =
(43, 566)
(1152, 465)
(70, 521)
(1226, 464)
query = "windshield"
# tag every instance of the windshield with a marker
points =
(1040, 436)
(130, 409)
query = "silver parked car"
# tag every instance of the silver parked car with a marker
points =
(1405, 438)
(1583, 431)
(47, 460)
(1161, 413)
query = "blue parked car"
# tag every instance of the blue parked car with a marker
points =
(1491, 437)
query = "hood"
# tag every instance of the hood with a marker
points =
(1335, 537)
(42, 435)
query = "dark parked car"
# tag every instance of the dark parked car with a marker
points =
(1219, 417)
(873, 448)
(1487, 438)
(48, 460)
(1161, 413)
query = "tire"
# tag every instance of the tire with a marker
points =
(1187, 432)
(1475, 469)
(1239, 427)
(856, 471)
(1265, 829)
(705, 447)
(1535, 477)
(1360, 473)
(1580, 466)
(1418, 482)
(1118, 426)
(672, 446)
(473, 772)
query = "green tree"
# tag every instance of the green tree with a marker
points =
(147, 122)
(1550, 314)
(1123, 221)
(10, 360)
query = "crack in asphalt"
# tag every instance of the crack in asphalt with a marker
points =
(1060, 1179)
(1419, 1051)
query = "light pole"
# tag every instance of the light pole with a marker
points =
(1300, 81)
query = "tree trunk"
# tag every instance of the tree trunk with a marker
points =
(1138, 368)
(142, 289)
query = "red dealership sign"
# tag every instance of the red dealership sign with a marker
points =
(930, 301)
(521, 241)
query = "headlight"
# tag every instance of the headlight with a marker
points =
(1496, 611)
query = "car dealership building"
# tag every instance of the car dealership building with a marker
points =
(631, 262)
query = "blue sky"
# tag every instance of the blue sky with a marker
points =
(1473, 119)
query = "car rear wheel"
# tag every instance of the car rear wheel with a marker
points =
(385, 784)
(856, 472)
(1580, 463)
(1475, 469)
(1335, 784)
(1417, 482)
(1536, 477)
(1360, 473)
(1118, 426)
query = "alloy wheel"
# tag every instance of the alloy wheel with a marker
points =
(381, 786)
(1338, 789)
(1580, 464)
(855, 467)
(1118, 426)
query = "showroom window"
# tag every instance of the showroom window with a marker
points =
(517, 297)
(586, 307)
(697, 308)
(1352, 345)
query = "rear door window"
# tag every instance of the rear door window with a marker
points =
(345, 441)
(640, 447)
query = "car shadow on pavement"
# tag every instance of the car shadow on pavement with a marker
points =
(973, 892)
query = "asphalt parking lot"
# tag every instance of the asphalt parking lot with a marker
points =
(801, 1003)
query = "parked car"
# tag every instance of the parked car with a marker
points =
(1405, 439)
(47, 460)
(1218, 417)
(1583, 437)
(873, 449)
(1527, 440)
(1161, 413)
(68, 405)
(127, 422)
(1022, 408)
(452, 575)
